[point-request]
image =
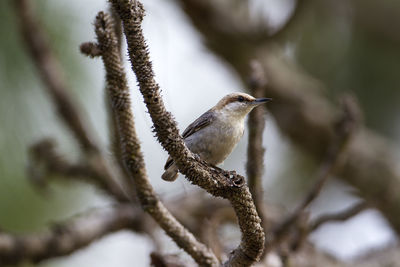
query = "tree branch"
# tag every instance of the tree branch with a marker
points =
(308, 120)
(306, 116)
(158, 260)
(255, 149)
(219, 183)
(346, 127)
(118, 93)
(339, 216)
(305, 227)
(63, 239)
(52, 76)
(45, 161)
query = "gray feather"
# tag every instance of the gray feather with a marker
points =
(201, 122)
(204, 120)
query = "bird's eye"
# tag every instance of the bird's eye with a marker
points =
(240, 98)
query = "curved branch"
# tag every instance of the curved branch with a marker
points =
(346, 127)
(307, 117)
(51, 74)
(219, 183)
(339, 216)
(45, 161)
(63, 239)
(52, 77)
(132, 157)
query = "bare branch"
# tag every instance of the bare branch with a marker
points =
(346, 127)
(158, 260)
(306, 116)
(304, 227)
(255, 149)
(51, 74)
(46, 161)
(219, 183)
(111, 120)
(64, 239)
(118, 92)
(90, 49)
(117, 27)
(339, 216)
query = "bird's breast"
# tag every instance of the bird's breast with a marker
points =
(215, 142)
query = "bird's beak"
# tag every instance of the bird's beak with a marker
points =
(259, 101)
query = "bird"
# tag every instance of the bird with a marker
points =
(214, 135)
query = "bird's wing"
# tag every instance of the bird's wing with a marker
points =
(201, 122)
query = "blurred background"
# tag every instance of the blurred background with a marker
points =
(346, 45)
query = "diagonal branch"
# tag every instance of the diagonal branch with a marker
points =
(346, 127)
(219, 183)
(118, 93)
(339, 216)
(46, 161)
(159, 260)
(52, 76)
(63, 239)
(305, 227)
(305, 115)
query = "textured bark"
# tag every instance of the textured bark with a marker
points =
(301, 110)
(132, 157)
(219, 183)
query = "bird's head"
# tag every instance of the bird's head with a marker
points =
(239, 104)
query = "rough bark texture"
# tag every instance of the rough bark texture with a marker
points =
(132, 157)
(219, 183)
(301, 110)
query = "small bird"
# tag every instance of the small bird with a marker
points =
(215, 134)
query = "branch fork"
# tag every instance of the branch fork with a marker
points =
(217, 183)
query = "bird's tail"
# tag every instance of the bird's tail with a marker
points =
(171, 173)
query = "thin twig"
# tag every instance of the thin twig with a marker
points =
(118, 92)
(219, 183)
(346, 127)
(63, 239)
(302, 110)
(339, 216)
(45, 161)
(255, 149)
(210, 225)
(52, 75)
(305, 228)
